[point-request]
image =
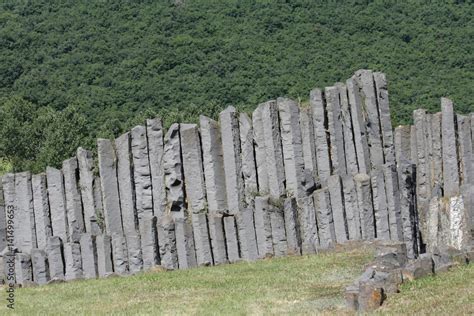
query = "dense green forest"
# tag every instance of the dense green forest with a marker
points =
(71, 71)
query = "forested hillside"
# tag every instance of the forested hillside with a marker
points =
(73, 71)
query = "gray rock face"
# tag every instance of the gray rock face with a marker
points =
(23, 269)
(120, 254)
(324, 216)
(385, 120)
(149, 241)
(450, 158)
(436, 165)
(260, 151)
(185, 244)
(321, 138)
(465, 150)
(135, 257)
(55, 258)
(307, 138)
(41, 210)
(213, 165)
(126, 185)
(249, 172)
(263, 227)
(349, 146)
(307, 225)
(365, 83)
(293, 236)
(75, 218)
(273, 150)
(99, 205)
(336, 134)
(109, 186)
(25, 233)
(229, 123)
(407, 174)
(216, 233)
(393, 202)
(104, 255)
(167, 237)
(193, 168)
(89, 256)
(380, 204)
(338, 209)
(402, 143)
(87, 182)
(277, 219)
(292, 147)
(73, 261)
(231, 239)
(172, 165)
(366, 210)
(351, 208)
(201, 240)
(39, 263)
(8, 196)
(358, 126)
(246, 234)
(154, 131)
(141, 173)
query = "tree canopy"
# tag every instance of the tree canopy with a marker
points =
(73, 71)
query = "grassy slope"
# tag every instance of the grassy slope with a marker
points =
(296, 285)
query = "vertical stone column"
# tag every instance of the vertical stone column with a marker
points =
(195, 190)
(41, 210)
(366, 210)
(338, 209)
(185, 244)
(172, 165)
(135, 257)
(75, 218)
(275, 167)
(277, 219)
(57, 202)
(249, 173)
(351, 208)
(25, 233)
(55, 258)
(149, 244)
(154, 131)
(307, 225)
(263, 227)
(346, 119)
(413, 144)
(380, 204)
(326, 230)
(292, 227)
(436, 169)
(358, 126)
(465, 150)
(402, 143)
(141, 173)
(215, 185)
(423, 190)
(120, 254)
(89, 256)
(407, 174)
(86, 186)
(8, 196)
(393, 202)
(333, 107)
(3, 223)
(104, 255)
(307, 138)
(168, 251)
(246, 234)
(260, 151)
(73, 260)
(23, 269)
(365, 82)
(109, 186)
(296, 182)
(385, 120)
(450, 157)
(99, 205)
(39, 263)
(127, 197)
(231, 239)
(316, 101)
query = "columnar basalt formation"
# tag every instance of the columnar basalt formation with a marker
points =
(290, 179)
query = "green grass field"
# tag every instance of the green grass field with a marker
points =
(293, 285)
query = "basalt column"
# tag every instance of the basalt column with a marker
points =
(333, 107)
(41, 210)
(57, 203)
(316, 100)
(349, 146)
(75, 217)
(25, 233)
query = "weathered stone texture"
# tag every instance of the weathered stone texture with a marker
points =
(246, 234)
(465, 150)
(393, 201)
(402, 143)
(167, 238)
(201, 239)
(326, 230)
(39, 262)
(149, 241)
(73, 261)
(366, 211)
(104, 255)
(292, 227)
(450, 158)
(120, 254)
(380, 204)
(218, 241)
(249, 172)
(407, 178)
(75, 218)
(55, 258)
(231, 239)
(385, 120)
(316, 100)
(351, 208)
(336, 133)
(308, 141)
(346, 120)
(338, 209)
(89, 256)
(23, 269)
(41, 210)
(185, 244)
(25, 233)
(307, 225)
(263, 227)
(260, 151)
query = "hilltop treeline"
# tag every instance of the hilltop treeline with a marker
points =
(74, 71)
